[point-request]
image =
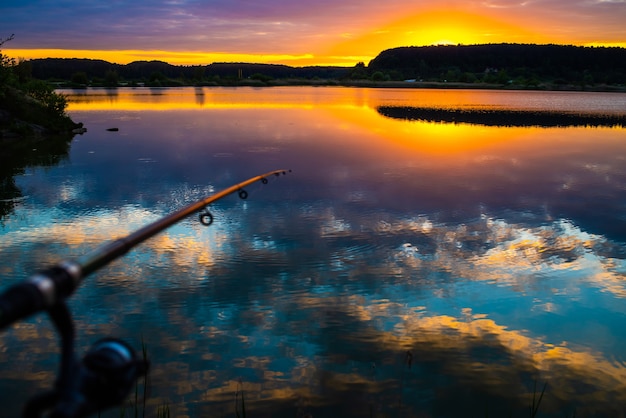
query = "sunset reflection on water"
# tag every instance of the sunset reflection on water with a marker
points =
(405, 267)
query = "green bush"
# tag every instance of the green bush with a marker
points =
(32, 106)
(17, 77)
(261, 77)
(40, 90)
(379, 76)
(80, 79)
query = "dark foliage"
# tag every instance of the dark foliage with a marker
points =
(561, 64)
(523, 65)
(29, 107)
(496, 117)
(66, 69)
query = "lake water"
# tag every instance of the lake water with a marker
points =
(407, 266)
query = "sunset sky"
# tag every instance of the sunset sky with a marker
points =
(292, 32)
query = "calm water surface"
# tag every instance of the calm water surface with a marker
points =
(404, 268)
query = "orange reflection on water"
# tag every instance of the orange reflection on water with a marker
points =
(432, 138)
(341, 109)
(158, 103)
(160, 99)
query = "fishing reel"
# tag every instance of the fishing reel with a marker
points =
(102, 379)
(107, 373)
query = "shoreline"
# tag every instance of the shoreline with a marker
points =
(364, 84)
(488, 86)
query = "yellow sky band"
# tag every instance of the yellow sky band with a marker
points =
(187, 58)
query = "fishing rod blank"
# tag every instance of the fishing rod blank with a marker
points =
(46, 289)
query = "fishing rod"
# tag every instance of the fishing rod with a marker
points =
(108, 371)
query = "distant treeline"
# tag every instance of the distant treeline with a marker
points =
(84, 71)
(505, 63)
(515, 65)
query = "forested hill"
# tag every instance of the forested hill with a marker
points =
(569, 64)
(68, 68)
(496, 65)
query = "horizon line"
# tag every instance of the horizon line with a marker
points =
(193, 58)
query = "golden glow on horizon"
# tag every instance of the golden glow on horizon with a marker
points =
(432, 27)
(439, 27)
(429, 27)
(342, 55)
(187, 58)
(606, 44)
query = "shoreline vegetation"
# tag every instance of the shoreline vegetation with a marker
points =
(504, 117)
(29, 108)
(363, 83)
(258, 80)
(488, 66)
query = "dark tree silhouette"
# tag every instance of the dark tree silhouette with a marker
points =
(560, 63)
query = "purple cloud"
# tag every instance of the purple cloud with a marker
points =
(279, 26)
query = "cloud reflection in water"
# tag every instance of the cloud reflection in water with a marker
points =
(384, 294)
(495, 256)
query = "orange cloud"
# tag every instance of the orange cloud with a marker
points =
(362, 41)
(436, 27)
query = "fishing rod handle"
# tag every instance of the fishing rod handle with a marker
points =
(40, 292)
